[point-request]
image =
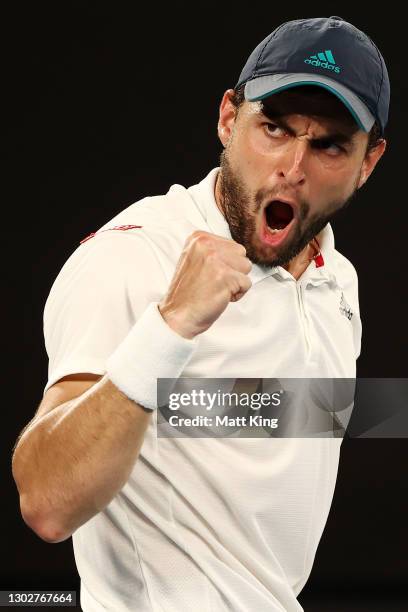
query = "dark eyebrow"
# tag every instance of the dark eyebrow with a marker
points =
(340, 137)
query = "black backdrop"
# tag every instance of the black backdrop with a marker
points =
(121, 101)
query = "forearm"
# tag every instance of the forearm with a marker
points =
(70, 463)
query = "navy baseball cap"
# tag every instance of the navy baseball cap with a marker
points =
(328, 52)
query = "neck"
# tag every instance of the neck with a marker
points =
(298, 264)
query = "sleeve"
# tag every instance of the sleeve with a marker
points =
(100, 292)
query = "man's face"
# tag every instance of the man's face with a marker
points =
(315, 163)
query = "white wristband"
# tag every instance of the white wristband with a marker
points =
(151, 350)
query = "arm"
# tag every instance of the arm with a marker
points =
(80, 448)
(77, 451)
(76, 454)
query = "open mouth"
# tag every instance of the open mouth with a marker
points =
(278, 219)
(278, 215)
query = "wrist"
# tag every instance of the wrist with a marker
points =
(150, 351)
(177, 322)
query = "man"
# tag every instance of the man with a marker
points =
(234, 277)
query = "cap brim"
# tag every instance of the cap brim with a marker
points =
(264, 86)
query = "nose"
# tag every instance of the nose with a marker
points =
(292, 163)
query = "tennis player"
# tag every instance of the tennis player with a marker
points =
(234, 277)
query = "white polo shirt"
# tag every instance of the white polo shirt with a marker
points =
(205, 524)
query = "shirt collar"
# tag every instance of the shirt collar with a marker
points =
(204, 196)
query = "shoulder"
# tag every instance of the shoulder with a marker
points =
(159, 211)
(144, 239)
(113, 263)
(338, 264)
(344, 269)
(163, 221)
(157, 226)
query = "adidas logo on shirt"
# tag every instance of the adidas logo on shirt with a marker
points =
(345, 308)
(323, 59)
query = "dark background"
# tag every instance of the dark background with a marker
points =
(121, 101)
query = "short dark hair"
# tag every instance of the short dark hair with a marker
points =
(374, 136)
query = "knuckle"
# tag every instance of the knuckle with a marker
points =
(211, 254)
(241, 249)
(219, 274)
(201, 240)
(212, 258)
(233, 284)
(244, 283)
(248, 264)
(195, 236)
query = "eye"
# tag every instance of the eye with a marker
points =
(274, 130)
(329, 146)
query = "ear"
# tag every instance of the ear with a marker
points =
(370, 162)
(227, 116)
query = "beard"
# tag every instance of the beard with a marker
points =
(237, 204)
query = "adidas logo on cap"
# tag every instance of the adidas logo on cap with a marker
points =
(323, 59)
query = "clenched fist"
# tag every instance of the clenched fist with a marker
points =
(211, 272)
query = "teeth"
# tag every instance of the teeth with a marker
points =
(275, 231)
